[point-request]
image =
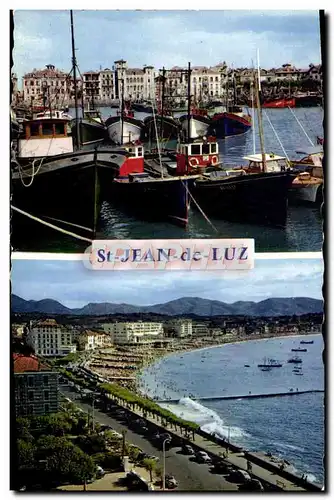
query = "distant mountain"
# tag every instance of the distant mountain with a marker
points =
(186, 305)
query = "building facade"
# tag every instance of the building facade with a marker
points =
(89, 340)
(48, 338)
(180, 327)
(134, 332)
(49, 85)
(35, 386)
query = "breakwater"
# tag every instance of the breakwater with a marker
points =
(245, 396)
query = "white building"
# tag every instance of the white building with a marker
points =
(89, 340)
(134, 332)
(200, 329)
(48, 338)
(181, 327)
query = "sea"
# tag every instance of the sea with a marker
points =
(285, 132)
(290, 427)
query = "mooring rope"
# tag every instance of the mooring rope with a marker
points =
(70, 224)
(301, 126)
(285, 153)
(199, 208)
(52, 226)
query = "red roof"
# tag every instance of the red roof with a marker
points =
(24, 363)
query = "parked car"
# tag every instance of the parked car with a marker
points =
(187, 449)
(170, 482)
(240, 476)
(203, 457)
(252, 485)
(223, 468)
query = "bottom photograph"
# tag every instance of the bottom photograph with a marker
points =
(187, 381)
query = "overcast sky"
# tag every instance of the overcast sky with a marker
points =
(73, 285)
(166, 38)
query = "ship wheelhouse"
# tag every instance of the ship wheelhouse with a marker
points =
(45, 137)
(197, 154)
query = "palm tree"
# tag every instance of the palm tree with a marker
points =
(150, 465)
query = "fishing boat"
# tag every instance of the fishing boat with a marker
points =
(308, 183)
(295, 360)
(307, 341)
(92, 130)
(230, 123)
(298, 349)
(196, 124)
(150, 192)
(270, 363)
(280, 103)
(165, 126)
(142, 107)
(124, 128)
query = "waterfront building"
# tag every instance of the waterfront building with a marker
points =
(48, 338)
(107, 84)
(49, 85)
(91, 85)
(139, 83)
(200, 329)
(134, 332)
(35, 386)
(180, 327)
(89, 340)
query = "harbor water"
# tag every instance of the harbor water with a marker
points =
(303, 230)
(290, 427)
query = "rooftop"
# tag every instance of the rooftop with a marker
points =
(24, 364)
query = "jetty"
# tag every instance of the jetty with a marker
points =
(245, 396)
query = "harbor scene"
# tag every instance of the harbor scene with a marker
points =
(156, 159)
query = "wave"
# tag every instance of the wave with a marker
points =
(208, 420)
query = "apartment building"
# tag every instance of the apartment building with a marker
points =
(180, 327)
(50, 84)
(35, 387)
(200, 329)
(48, 338)
(134, 332)
(89, 340)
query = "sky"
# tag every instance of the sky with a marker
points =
(73, 285)
(165, 38)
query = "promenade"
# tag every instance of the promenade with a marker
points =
(276, 479)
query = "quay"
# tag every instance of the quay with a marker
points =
(245, 396)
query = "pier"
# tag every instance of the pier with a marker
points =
(246, 396)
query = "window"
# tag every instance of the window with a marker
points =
(47, 130)
(59, 129)
(34, 129)
(30, 382)
(31, 395)
(205, 149)
(214, 148)
(46, 408)
(195, 149)
(30, 409)
(46, 394)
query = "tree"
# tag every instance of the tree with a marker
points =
(150, 465)
(58, 424)
(92, 444)
(25, 453)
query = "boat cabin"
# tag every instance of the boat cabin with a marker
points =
(134, 163)
(44, 137)
(273, 163)
(93, 115)
(197, 155)
(46, 115)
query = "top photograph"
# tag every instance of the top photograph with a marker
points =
(167, 125)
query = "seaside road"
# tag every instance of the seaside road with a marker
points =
(191, 476)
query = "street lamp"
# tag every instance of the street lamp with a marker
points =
(167, 440)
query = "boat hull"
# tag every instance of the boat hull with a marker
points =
(155, 199)
(259, 198)
(280, 103)
(199, 125)
(90, 132)
(132, 130)
(65, 191)
(229, 124)
(306, 194)
(168, 128)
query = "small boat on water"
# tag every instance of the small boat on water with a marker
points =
(307, 341)
(230, 123)
(270, 363)
(295, 360)
(298, 349)
(246, 366)
(280, 103)
(266, 369)
(199, 123)
(124, 128)
(307, 185)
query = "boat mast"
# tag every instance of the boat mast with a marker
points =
(189, 102)
(162, 101)
(74, 67)
(259, 115)
(122, 110)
